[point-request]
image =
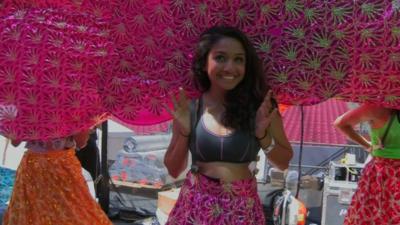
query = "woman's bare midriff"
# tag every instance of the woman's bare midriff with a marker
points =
(225, 171)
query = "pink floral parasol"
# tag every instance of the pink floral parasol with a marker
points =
(152, 64)
(375, 54)
(312, 50)
(51, 63)
(302, 54)
(98, 8)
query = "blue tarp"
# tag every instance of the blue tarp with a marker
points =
(7, 177)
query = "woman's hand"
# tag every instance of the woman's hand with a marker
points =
(15, 143)
(176, 157)
(181, 113)
(264, 115)
(82, 138)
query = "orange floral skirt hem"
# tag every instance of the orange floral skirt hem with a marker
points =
(50, 189)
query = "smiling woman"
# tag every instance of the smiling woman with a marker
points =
(224, 130)
(226, 64)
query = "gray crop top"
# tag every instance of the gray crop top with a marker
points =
(205, 146)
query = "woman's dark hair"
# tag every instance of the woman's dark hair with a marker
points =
(242, 102)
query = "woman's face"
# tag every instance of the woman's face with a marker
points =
(226, 64)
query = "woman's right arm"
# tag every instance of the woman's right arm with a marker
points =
(346, 122)
(176, 157)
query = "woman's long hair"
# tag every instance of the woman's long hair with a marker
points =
(242, 102)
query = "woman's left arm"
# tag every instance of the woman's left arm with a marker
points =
(282, 152)
(269, 126)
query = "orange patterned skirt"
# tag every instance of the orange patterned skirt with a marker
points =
(50, 189)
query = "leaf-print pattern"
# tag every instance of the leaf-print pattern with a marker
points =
(311, 51)
(377, 199)
(206, 201)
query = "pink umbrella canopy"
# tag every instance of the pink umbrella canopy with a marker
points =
(98, 8)
(152, 64)
(51, 63)
(312, 50)
(374, 54)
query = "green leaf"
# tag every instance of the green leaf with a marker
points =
(394, 57)
(293, 7)
(290, 53)
(264, 47)
(310, 15)
(282, 77)
(337, 74)
(313, 63)
(395, 32)
(339, 34)
(298, 33)
(339, 14)
(369, 9)
(391, 98)
(366, 33)
(322, 40)
(266, 9)
(241, 13)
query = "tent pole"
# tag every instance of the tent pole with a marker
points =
(104, 194)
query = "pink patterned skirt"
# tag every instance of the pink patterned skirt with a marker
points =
(207, 201)
(377, 199)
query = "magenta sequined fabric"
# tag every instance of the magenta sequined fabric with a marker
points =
(377, 199)
(152, 63)
(311, 50)
(51, 63)
(206, 201)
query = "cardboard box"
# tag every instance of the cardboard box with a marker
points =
(167, 199)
